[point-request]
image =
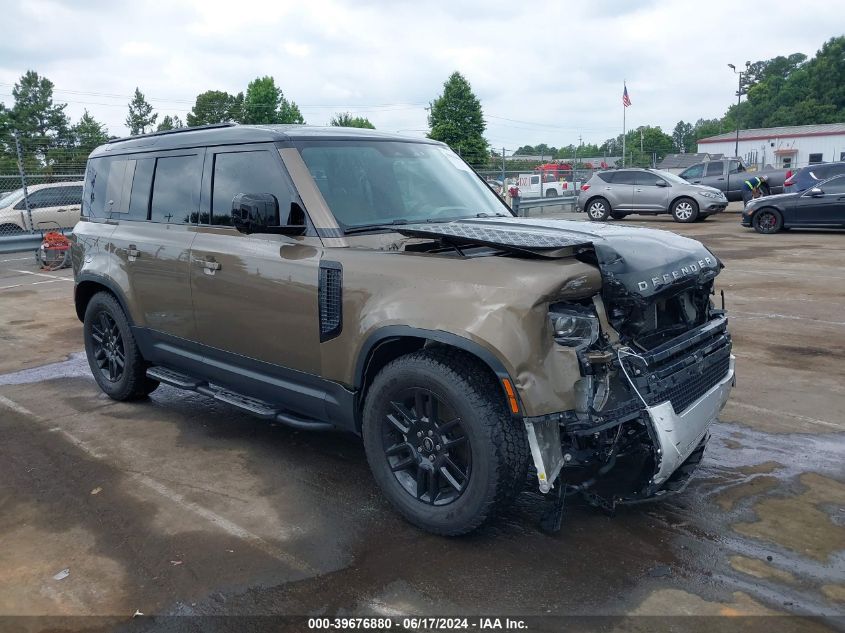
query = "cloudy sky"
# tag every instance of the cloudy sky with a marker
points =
(544, 71)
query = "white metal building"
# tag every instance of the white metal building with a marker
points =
(790, 146)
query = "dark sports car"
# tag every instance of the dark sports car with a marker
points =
(822, 206)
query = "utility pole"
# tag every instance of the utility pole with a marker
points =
(503, 168)
(738, 97)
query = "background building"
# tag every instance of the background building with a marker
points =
(790, 146)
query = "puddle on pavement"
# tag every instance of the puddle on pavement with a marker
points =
(75, 366)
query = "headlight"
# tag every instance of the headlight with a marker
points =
(709, 194)
(574, 326)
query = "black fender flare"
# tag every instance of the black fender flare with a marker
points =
(108, 284)
(390, 332)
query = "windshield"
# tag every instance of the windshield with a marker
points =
(7, 197)
(671, 177)
(367, 183)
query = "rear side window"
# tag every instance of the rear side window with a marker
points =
(836, 186)
(246, 172)
(624, 178)
(716, 168)
(607, 176)
(176, 186)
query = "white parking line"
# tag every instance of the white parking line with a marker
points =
(148, 482)
(803, 418)
(789, 317)
(14, 259)
(27, 272)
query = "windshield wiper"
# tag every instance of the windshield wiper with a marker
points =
(371, 227)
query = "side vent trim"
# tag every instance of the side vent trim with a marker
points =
(330, 298)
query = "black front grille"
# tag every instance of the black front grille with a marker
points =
(330, 300)
(685, 392)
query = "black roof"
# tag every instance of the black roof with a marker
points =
(232, 133)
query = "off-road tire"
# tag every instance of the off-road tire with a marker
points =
(498, 443)
(684, 210)
(598, 209)
(132, 383)
(767, 221)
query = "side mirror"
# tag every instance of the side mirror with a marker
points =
(815, 192)
(661, 183)
(259, 213)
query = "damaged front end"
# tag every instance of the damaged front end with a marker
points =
(654, 354)
(653, 379)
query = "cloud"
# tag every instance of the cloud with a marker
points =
(544, 71)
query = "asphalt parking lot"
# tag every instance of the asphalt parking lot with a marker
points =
(181, 505)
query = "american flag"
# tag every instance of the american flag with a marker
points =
(626, 100)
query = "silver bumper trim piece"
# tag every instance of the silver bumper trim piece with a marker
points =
(677, 435)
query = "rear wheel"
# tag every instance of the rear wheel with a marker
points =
(441, 442)
(598, 209)
(551, 193)
(685, 210)
(767, 221)
(113, 356)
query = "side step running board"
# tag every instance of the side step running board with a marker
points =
(254, 406)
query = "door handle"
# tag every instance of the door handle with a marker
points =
(61, 210)
(720, 178)
(637, 189)
(132, 253)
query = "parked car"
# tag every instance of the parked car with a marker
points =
(808, 177)
(53, 205)
(821, 206)
(331, 278)
(615, 194)
(541, 186)
(729, 176)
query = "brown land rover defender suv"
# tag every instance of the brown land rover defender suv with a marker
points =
(347, 279)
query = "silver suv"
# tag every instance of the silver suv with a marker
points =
(618, 193)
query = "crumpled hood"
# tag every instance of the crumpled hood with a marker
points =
(634, 262)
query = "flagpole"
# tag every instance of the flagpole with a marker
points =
(623, 125)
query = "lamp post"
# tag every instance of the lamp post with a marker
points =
(738, 97)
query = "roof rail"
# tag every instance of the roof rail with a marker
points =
(177, 130)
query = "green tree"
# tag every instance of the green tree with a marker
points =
(344, 119)
(216, 106)
(456, 119)
(683, 137)
(141, 115)
(170, 123)
(88, 133)
(264, 102)
(41, 125)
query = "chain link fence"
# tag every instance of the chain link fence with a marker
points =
(40, 185)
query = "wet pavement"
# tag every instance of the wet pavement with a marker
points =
(181, 505)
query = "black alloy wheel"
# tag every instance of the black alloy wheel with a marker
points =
(426, 447)
(109, 351)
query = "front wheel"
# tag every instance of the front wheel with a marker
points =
(617, 216)
(767, 221)
(441, 442)
(113, 356)
(598, 209)
(685, 210)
